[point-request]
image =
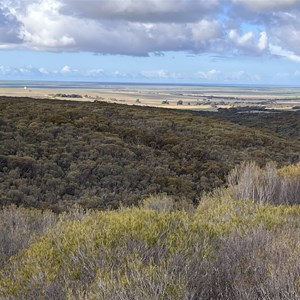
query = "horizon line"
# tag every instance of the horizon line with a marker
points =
(145, 83)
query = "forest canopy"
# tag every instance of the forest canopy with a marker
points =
(54, 154)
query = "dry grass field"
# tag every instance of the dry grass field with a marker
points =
(196, 98)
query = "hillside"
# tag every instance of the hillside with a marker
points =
(284, 123)
(54, 154)
(229, 247)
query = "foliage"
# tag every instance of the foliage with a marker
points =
(224, 249)
(266, 185)
(283, 123)
(19, 226)
(239, 242)
(227, 249)
(54, 154)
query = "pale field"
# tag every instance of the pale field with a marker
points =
(193, 98)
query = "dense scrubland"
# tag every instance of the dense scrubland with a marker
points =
(105, 201)
(285, 123)
(54, 154)
(235, 244)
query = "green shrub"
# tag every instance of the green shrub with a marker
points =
(226, 249)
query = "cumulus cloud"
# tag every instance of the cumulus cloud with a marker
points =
(280, 20)
(47, 25)
(44, 28)
(129, 38)
(206, 34)
(285, 31)
(139, 28)
(247, 43)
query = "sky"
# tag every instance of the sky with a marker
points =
(151, 41)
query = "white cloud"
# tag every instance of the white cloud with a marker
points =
(208, 75)
(4, 70)
(66, 69)
(277, 50)
(95, 72)
(285, 31)
(43, 71)
(246, 42)
(263, 41)
(236, 76)
(44, 28)
(139, 28)
(26, 70)
(206, 31)
(160, 74)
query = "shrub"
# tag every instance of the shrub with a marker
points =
(19, 226)
(159, 203)
(226, 249)
(266, 185)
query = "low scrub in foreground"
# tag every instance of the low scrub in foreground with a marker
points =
(226, 248)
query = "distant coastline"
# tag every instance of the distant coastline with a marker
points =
(204, 97)
(107, 85)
